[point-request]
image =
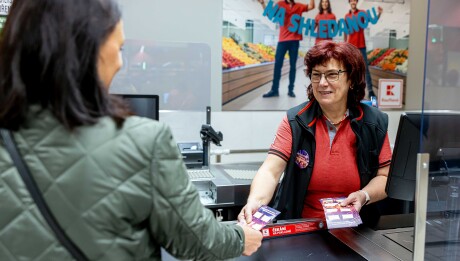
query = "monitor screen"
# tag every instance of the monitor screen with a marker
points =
(440, 138)
(143, 105)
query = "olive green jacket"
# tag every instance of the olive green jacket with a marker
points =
(119, 194)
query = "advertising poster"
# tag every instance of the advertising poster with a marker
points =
(254, 32)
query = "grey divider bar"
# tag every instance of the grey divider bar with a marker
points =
(421, 199)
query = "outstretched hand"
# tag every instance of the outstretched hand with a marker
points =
(379, 9)
(357, 199)
(252, 240)
(250, 208)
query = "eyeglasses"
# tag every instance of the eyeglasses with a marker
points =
(331, 76)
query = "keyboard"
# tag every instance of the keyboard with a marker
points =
(241, 173)
(199, 174)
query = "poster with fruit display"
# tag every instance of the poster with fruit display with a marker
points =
(389, 59)
(253, 30)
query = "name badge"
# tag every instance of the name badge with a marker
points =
(302, 159)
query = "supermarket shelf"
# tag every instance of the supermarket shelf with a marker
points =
(238, 81)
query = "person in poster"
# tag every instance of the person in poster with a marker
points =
(325, 14)
(287, 42)
(358, 40)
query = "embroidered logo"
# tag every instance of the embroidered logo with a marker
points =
(302, 159)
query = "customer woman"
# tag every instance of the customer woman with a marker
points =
(329, 146)
(116, 184)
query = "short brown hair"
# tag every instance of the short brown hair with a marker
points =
(349, 56)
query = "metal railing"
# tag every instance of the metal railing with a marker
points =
(219, 152)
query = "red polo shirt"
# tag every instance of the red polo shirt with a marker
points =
(322, 17)
(336, 172)
(298, 9)
(356, 38)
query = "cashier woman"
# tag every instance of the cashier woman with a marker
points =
(329, 146)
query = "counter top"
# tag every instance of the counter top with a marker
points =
(335, 244)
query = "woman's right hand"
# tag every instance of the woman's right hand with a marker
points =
(252, 240)
(248, 210)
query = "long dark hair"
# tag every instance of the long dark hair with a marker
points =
(329, 8)
(346, 54)
(49, 52)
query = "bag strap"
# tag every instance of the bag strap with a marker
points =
(38, 197)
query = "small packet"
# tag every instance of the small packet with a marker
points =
(338, 216)
(262, 217)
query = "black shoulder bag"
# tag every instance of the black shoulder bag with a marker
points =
(38, 198)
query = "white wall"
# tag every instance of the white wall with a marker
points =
(244, 130)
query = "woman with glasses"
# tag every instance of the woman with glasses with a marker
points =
(329, 146)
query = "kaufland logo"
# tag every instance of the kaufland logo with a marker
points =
(390, 90)
(390, 93)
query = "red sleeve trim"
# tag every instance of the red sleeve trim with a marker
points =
(384, 164)
(385, 153)
(279, 154)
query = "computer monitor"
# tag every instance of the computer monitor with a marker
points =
(143, 105)
(440, 139)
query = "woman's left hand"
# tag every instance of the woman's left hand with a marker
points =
(357, 199)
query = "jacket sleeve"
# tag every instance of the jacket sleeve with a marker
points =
(179, 222)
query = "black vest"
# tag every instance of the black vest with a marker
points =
(370, 127)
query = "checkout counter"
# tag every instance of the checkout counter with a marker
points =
(224, 188)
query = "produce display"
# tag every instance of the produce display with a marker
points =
(239, 55)
(260, 52)
(228, 61)
(235, 51)
(243, 54)
(389, 59)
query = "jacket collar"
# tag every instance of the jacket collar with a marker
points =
(356, 113)
(311, 111)
(308, 114)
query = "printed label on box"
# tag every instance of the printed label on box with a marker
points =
(278, 230)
